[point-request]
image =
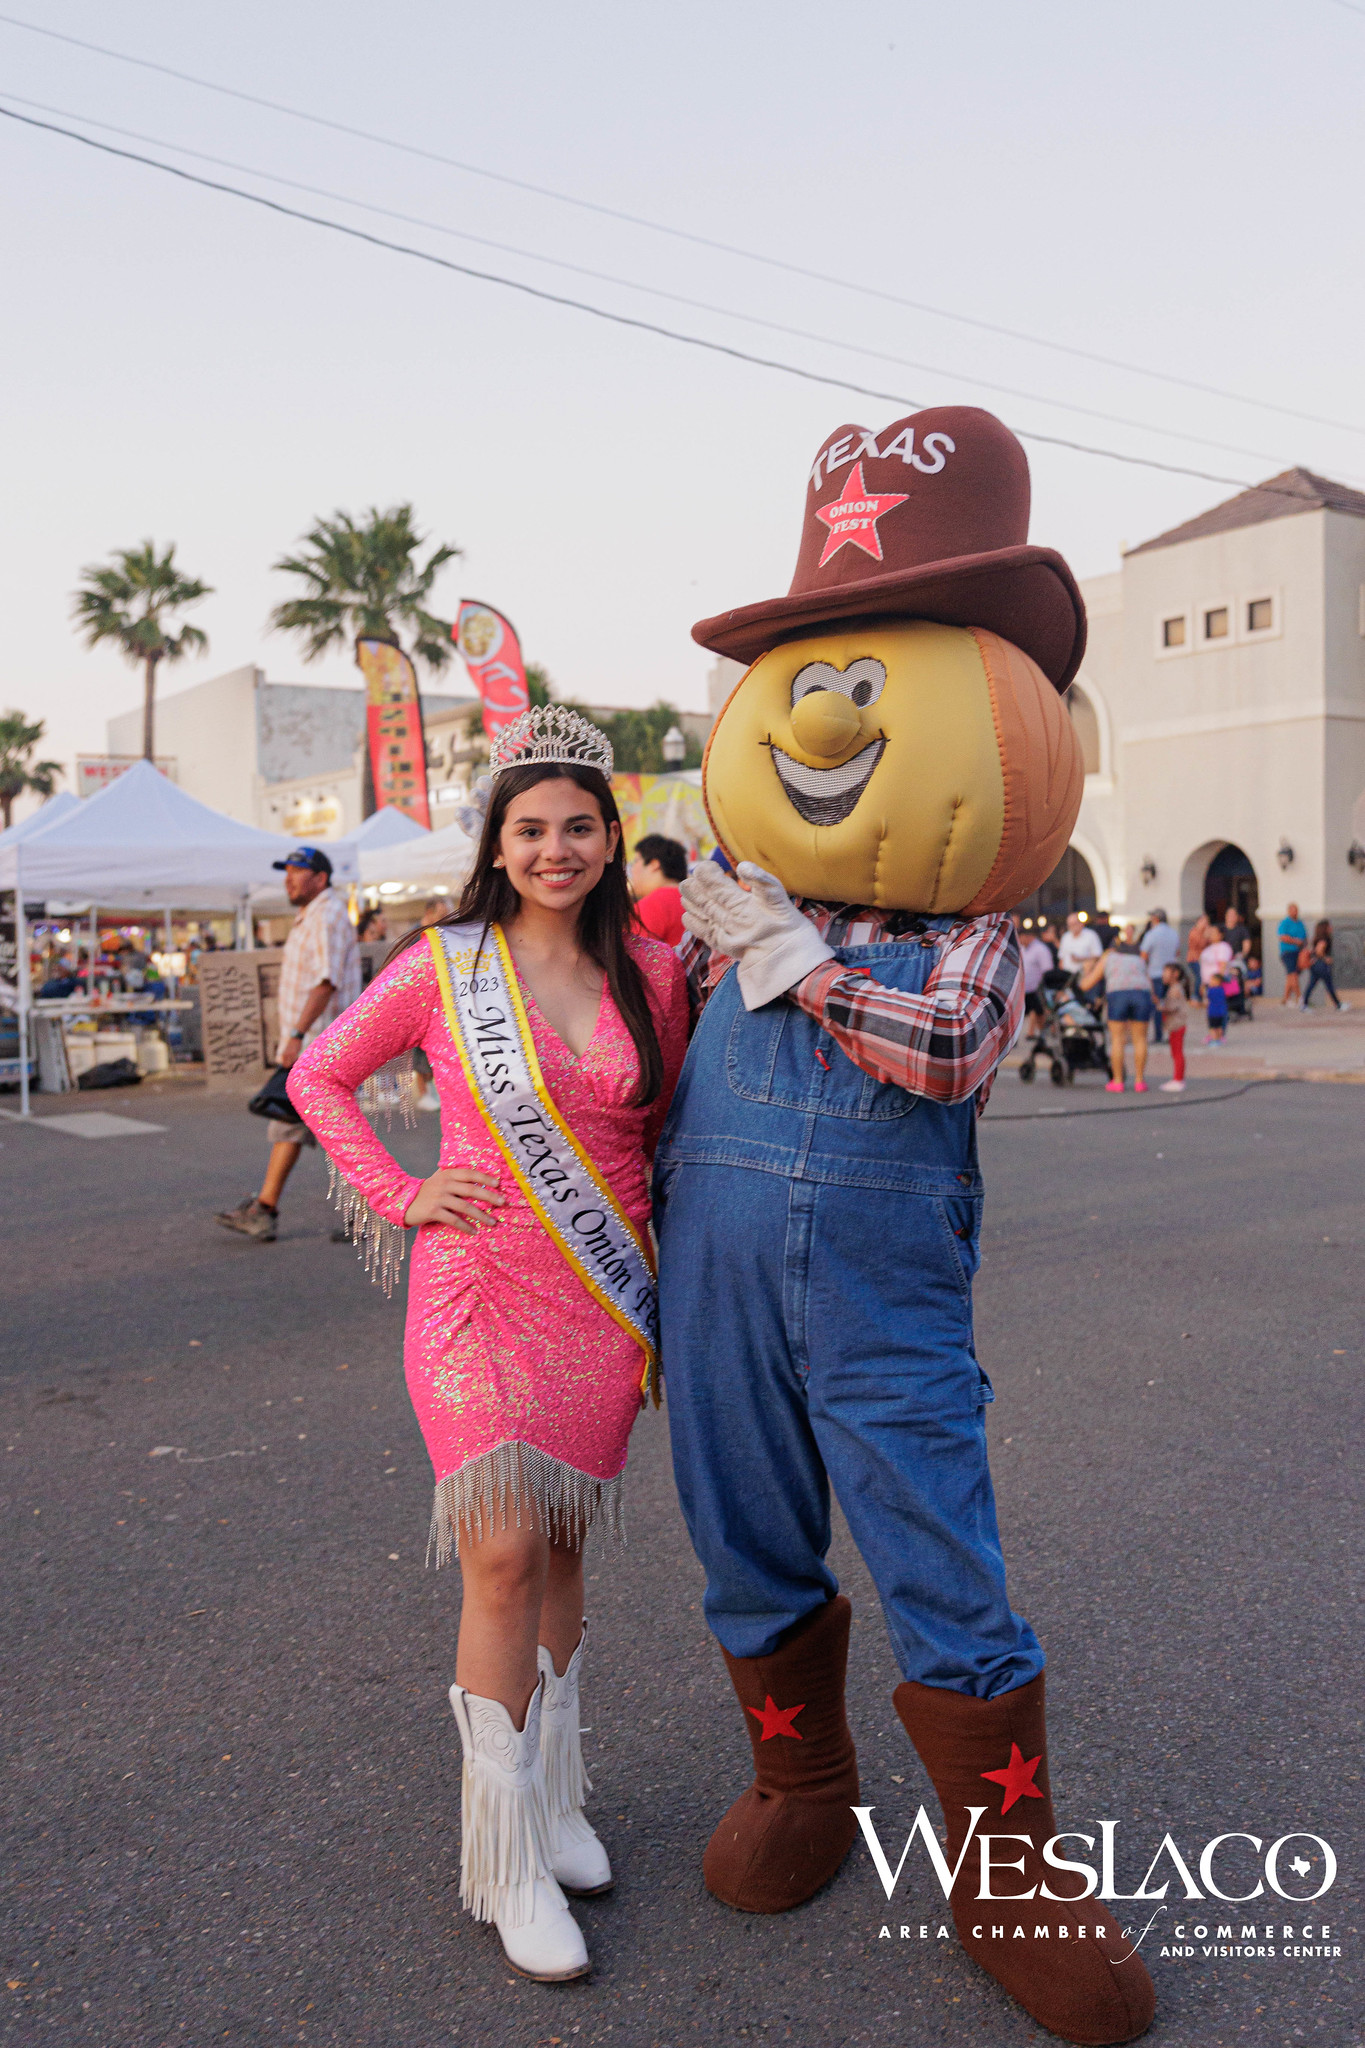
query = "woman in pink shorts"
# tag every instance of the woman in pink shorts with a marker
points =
(1128, 1007)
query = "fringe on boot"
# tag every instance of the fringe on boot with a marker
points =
(505, 1842)
(577, 1857)
(505, 1860)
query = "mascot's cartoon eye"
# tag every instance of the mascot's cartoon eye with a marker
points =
(861, 681)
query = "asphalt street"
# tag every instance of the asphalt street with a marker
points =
(232, 1775)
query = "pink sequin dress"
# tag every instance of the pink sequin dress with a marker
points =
(524, 1387)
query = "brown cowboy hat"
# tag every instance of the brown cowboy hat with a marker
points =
(927, 519)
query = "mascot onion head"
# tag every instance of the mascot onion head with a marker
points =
(901, 738)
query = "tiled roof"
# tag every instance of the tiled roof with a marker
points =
(1294, 490)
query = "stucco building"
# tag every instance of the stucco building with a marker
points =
(1221, 707)
(1221, 712)
(292, 757)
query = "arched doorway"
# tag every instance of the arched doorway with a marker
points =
(1231, 879)
(1217, 874)
(1070, 886)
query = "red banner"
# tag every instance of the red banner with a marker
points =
(492, 654)
(398, 751)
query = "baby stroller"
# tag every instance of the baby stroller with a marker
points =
(1072, 1035)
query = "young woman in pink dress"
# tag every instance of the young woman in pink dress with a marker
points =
(525, 1372)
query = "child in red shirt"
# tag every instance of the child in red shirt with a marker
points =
(656, 868)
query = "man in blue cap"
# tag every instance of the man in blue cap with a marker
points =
(319, 976)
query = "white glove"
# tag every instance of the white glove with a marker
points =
(760, 928)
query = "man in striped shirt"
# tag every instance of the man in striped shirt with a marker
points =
(319, 976)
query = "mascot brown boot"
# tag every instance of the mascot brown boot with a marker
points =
(994, 1753)
(788, 1834)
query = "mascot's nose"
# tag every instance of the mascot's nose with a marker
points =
(825, 722)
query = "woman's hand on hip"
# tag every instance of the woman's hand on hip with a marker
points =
(462, 1197)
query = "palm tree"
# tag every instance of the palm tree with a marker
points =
(18, 771)
(363, 582)
(128, 602)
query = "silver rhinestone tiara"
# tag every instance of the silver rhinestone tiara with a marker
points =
(550, 732)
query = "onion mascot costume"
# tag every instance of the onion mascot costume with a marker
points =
(893, 772)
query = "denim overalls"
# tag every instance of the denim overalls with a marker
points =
(818, 1236)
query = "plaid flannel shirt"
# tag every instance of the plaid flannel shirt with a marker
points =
(944, 1043)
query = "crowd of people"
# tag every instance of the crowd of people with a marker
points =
(1148, 987)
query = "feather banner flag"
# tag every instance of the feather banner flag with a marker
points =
(398, 749)
(492, 654)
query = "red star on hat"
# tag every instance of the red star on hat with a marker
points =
(777, 1720)
(1017, 1777)
(852, 518)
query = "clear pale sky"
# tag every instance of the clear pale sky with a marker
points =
(1177, 186)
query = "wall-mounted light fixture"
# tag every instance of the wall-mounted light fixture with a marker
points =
(1356, 856)
(1285, 854)
(1148, 871)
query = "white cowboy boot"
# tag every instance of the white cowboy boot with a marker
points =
(504, 1851)
(577, 1858)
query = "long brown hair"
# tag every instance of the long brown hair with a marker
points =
(604, 920)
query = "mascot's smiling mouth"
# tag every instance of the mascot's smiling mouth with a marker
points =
(825, 796)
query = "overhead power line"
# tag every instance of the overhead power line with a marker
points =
(676, 233)
(597, 312)
(654, 291)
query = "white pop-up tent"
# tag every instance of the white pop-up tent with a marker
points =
(381, 830)
(144, 841)
(389, 827)
(141, 843)
(37, 821)
(379, 834)
(435, 857)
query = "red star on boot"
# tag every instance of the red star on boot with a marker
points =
(789, 1831)
(1093, 1990)
(777, 1720)
(1017, 1777)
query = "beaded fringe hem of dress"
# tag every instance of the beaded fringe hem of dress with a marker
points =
(378, 1242)
(396, 1086)
(516, 1482)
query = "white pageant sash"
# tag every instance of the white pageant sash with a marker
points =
(492, 1035)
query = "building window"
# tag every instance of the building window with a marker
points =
(1260, 614)
(1216, 623)
(1173, 631)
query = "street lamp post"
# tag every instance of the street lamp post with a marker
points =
(673, 747)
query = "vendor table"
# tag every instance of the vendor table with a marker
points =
(107, 1006)
(54, 1014)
